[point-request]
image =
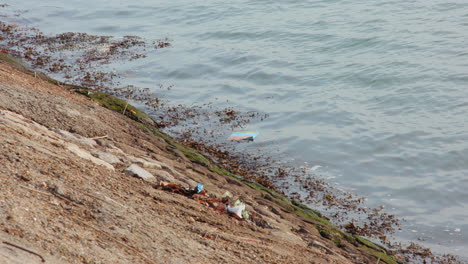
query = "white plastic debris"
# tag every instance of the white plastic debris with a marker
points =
(238, 208)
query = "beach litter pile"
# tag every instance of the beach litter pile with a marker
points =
(220, 205)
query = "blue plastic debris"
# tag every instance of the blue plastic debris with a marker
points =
(243, 135)
(199, 188)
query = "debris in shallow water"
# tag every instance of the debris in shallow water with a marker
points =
(242, 135)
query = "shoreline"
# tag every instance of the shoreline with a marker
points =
(323, 236)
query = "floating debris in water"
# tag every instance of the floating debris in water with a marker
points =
(242, 135)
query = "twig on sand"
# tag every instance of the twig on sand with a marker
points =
(115, 240)
(126, 105)
(80, 191)
(105, 136)
(248, 239)
(243, 238)
(106, 200)
(31, 189)
(123, 112)
(56, 194)
(24, 249)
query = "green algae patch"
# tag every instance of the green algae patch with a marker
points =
(308, 209)
(22, 66)
(195, 156)
(190, 153)
(380, 255)
(258, 186)
(369, 244)
(325, 232)
(118, 105)
(311, 215)
(333, 234)
(222, 171)
(294, 207)
(13, 61)
(338, 237)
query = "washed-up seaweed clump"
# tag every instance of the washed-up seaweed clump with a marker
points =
(76, 57)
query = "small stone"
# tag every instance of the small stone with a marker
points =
(164, 175)
(87, 141)
(76, 138)
(137, 171)
(70, 112)
(107, 157)
(316, 244)
(148, 164)
(86, 155)
(190, 182)
(104, 143)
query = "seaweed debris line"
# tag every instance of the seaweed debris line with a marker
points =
(82, 183)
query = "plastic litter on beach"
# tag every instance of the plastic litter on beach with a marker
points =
(175, 188)
(199, 188)
(227, 194)
(243, 135)
(221, 205)
(238, 209)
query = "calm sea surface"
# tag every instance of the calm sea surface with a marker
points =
(374, 92)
